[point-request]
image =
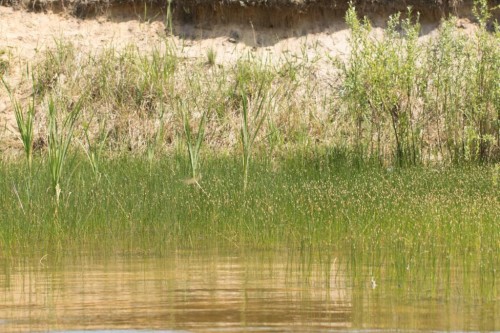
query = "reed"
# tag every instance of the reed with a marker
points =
(154, 144)
(193, 141)
(169, 18)
(25, 123)
(251, 123)
(93, 149)
(60, 134)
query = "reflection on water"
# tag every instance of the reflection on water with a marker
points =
(120, 331)
(217, 293)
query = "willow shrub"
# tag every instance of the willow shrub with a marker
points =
(439, 97)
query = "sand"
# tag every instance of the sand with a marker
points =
(24, 34)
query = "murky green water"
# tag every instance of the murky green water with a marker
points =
(220, 292)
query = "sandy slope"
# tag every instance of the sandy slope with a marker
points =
(24, 34)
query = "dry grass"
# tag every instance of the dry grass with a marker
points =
(384, 102)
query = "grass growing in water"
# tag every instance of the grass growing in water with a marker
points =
(426, 219)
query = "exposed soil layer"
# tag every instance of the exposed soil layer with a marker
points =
(276, 19)
(258, 13)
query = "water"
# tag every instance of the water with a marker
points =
(257, 291)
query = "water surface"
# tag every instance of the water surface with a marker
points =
(257, 291)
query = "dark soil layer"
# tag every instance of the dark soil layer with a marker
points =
(258, 13)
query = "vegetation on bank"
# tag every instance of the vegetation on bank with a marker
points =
(398, 99)
(144, 153)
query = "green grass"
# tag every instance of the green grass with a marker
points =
(59, 140)
(250, 126)
(193, 142)
(25, 122)
(426, 219)
(4, 62)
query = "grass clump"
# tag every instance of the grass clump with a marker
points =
(250, 126)
(60, 134)
(193, 141)
(4, 62)
(25, 123)
(211, 56)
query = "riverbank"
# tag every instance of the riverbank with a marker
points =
(407, 92)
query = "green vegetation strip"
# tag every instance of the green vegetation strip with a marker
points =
(316, 200)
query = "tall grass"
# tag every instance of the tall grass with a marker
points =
(60, 134)
(382, 85)
(484, 113)
(193, 141)
(461, 93)
(93, 148)
(25, 123)
(251, 123)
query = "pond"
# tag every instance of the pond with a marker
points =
(220, 291)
